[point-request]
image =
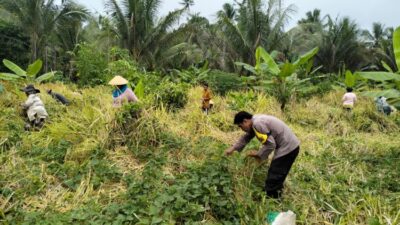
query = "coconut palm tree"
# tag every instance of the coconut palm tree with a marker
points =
(306, 35)
(140, 30)
(341, 47)
(379, 42)
(313, 22)
(187, 3)
(254, 23)
(40, 18)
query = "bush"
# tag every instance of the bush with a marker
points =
(238, 101)
(206, 188)
(221, 82)
(91, 65)
(122, 65)
(173, 96)
(315, 88)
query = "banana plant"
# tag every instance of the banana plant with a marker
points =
(30, 74)
(389, 81)
(139, 90)
(193, 75)
(280, 79)
(350, 79)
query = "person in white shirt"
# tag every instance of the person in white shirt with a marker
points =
(383, 106)
(34, 107)
(349, 99)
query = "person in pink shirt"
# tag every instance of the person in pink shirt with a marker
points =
(349, 99)
(122, 93)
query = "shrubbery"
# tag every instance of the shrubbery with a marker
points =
(221, 82)
(173, 96)
(123, 65)
(91, 65)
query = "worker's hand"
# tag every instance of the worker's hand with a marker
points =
(253, 154)
(229, 151)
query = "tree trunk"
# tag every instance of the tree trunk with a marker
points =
(34, 47)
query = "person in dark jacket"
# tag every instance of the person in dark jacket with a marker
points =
(275, 136)
(58, 97)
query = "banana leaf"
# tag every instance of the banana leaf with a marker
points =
(396, 46)
(379, 76)
(13, 67)
(247, 67)
(350, 79)
(9, 76)
(390, 94)
(34, 68)
(45, 76)
(287, 70)
(139, 90)
(303, 59)
(269, 61)
(386, 66)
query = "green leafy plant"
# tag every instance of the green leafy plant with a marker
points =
(396, 47)
(139, 89)
(350, 79)
(280, 79)
(172, 96)
(30, 74)
(389, 81)
(91, 65)
(239, 100)
(222, 82)
(193, 75)
(120, 63)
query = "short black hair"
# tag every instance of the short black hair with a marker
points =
(241, 116)
(349, 89)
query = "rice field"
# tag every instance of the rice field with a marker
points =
(95, 164)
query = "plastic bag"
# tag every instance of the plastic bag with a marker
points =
(282, 218)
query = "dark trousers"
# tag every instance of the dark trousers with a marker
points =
(277, 173)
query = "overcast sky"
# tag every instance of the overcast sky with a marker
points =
(364, 12)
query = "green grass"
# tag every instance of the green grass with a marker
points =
(93, 164)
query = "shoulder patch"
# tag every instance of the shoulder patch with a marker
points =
(260, 136)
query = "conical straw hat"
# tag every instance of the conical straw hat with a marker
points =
(118, 80)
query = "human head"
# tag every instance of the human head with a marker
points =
(121, 86)
(30, 89)
(349, 89)
(205, 86)
(243, 120)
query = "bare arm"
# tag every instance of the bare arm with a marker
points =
(240, 144)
